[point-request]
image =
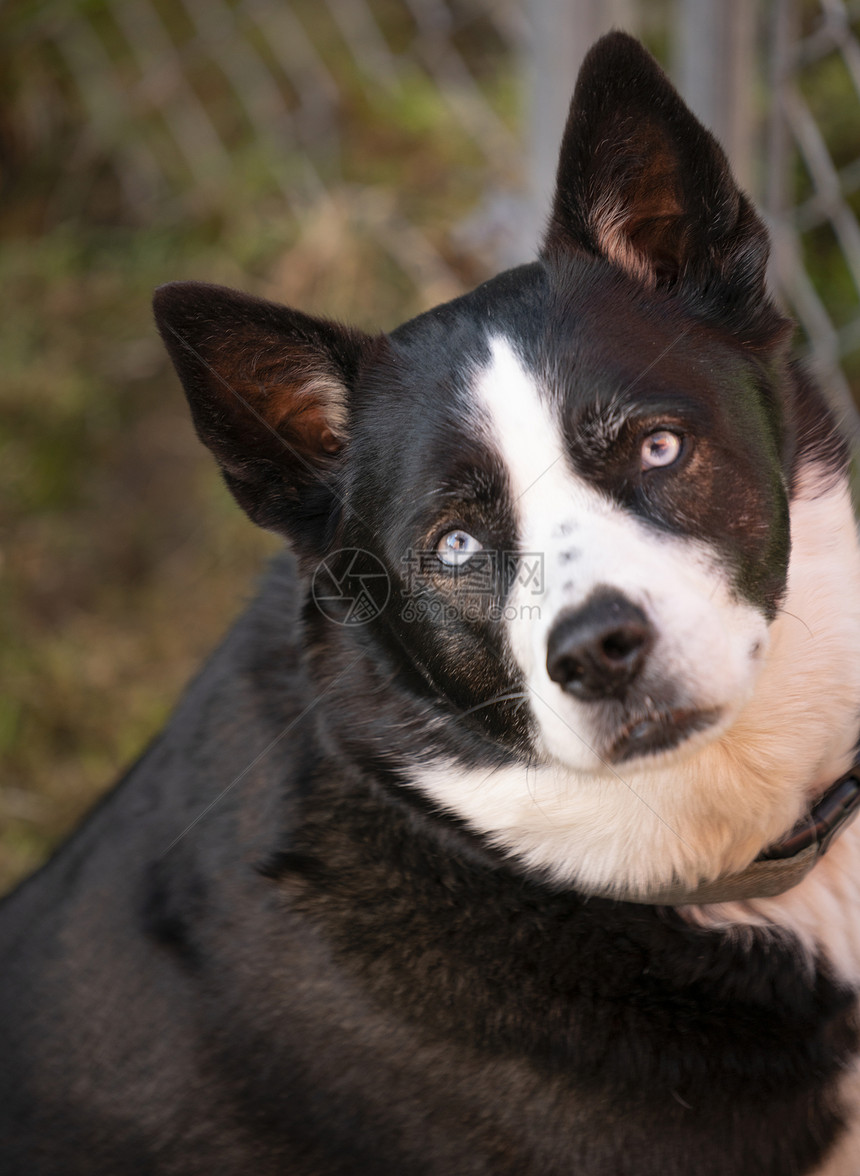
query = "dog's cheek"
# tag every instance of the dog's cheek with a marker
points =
(454, 646)
(712, 650)
(741, 510)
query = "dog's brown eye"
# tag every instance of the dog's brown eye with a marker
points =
(660, 449)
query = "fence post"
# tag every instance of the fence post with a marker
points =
(561, 33)
(715, 67)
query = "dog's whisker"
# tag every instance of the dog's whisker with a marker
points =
(521, 695)
(784, 612)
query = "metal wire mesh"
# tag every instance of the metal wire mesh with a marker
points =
(186, 104)
(191, 106)
(813, 178)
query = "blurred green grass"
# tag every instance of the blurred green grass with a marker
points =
(123, 557)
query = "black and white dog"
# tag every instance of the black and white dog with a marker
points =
(491, 839)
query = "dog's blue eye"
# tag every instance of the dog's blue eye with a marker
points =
(456, 548)
(660, 449)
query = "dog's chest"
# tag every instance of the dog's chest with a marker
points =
(822, 912)
(548, 981)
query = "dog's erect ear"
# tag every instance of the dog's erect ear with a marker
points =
(643, 184)
(268, 389)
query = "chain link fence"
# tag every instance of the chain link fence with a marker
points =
(164, 110)
(179, 108)
(811, 188)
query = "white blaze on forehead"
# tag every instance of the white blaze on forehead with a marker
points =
(551, 504)
(704, 635)
(520, 422)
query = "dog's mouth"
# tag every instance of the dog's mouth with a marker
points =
(659, 731)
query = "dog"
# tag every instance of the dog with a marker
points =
(492, 838)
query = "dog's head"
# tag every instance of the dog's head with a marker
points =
(575, 482)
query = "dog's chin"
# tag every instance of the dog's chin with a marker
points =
(647, 732)
(659, 732)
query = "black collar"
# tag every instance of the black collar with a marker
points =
(834, 809)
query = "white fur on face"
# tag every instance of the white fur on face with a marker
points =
(712, 805)
(588, 542)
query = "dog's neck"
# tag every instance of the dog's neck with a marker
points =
(778, 868)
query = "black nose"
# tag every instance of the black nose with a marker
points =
(599, 650)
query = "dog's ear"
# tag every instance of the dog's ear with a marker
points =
(644, 185)
(269, 390)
